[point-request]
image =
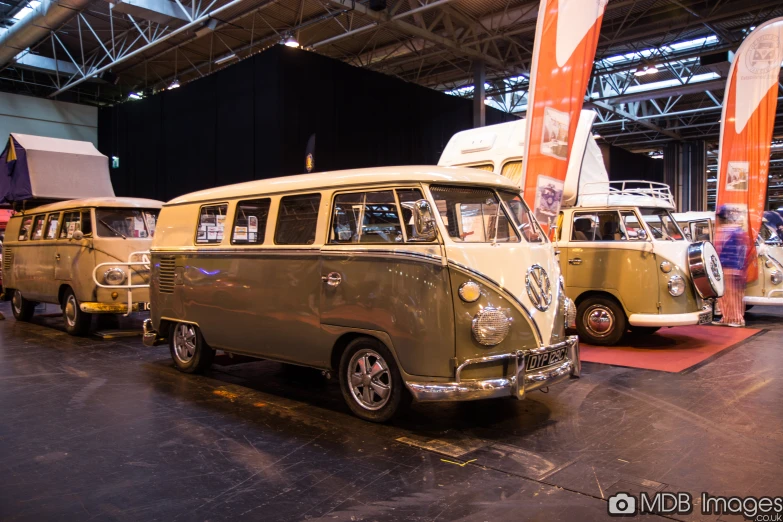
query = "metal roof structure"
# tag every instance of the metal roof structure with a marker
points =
(659, 73)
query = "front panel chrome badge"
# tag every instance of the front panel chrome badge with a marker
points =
(539, 289)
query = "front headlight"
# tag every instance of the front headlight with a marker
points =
(114, 276)
(490, 326)
(676, 285)
(776, 277)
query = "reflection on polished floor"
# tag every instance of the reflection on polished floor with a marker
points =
(107, 430)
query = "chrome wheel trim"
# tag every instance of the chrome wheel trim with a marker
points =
(184, 342)
(70, 310)
(369, 379)
(599, 321)
(16, 302)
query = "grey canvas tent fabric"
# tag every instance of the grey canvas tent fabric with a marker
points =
(36, 167)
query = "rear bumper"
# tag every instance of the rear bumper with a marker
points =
(150, 335)
(112, 308)
(765, 301)
(516, 385)
(700, 317)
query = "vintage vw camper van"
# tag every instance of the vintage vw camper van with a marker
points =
(427, 282)
(625, 262)
(767, 289)
(89, 256)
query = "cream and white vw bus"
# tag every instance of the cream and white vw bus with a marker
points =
(625, 262)
(767, 289)
(89, 256)
(427, 282)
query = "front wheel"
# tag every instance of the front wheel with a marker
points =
(76, 321)
(370, 381)
(600, 321)
(22, 308)
(191, 354)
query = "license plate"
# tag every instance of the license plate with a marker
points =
(144, 307)
(705, 317)
(542, 360)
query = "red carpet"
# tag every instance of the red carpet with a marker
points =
(670, 349)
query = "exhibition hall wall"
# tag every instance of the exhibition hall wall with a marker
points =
(41, 117)
(253, 120)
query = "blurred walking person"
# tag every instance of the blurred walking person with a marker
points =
(732, 243)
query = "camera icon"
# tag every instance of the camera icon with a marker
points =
(622, 505)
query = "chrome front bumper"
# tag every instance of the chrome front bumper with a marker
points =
(516, 385)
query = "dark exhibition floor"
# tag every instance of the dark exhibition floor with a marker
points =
(96, 429)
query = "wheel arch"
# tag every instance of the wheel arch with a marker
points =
(342, 342)
(61, 292)
(607, 294)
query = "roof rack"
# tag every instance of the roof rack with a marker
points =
(631, 191)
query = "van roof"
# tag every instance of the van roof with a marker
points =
(348, 178)
(693, 216)
(95, 202)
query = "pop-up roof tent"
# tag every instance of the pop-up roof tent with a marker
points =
(46, 169)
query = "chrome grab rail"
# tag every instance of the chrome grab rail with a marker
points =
(638, 188)
(145, 261)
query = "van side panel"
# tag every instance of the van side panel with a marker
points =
(408, 298)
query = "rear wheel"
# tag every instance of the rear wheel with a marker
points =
(22, 308)
(191, 354)
(600, 321)
(76, 321)
(370, 381)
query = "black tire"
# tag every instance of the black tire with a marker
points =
(387, 375)
(644, 330)
(189, 351)
(610, 316)
(22, 308)
(76, 321)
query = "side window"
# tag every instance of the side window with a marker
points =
(297, 219)
(633, 227)
(27, 222)
(211, 223)
(366, 217)
(51, 226)
(250, 222)
(38, 227)
(512, 170)
(489, 167)
(597, 226)
(407, 198)
(471, 215)
(86, 222)
(72, 221)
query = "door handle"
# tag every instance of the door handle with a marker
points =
(575, 261)
(57, 257)
(332, 279)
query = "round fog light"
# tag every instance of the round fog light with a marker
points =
(114, 276)
(469, 292)
(490, 326)
(776, 277)
(676, 285)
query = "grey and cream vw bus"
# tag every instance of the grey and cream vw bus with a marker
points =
(89, 256)
(425, 282)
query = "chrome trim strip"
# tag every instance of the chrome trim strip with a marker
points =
(241, 251)
(507, 293)
(372, 252)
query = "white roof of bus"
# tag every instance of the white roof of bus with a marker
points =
(693, 216)
(347, 178)
(95, 202)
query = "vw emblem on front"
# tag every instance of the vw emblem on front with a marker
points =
(539, 290)
(714, 267)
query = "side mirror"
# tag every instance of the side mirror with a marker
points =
(78, 235)
(423, 222)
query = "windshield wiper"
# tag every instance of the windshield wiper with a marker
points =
(116, 232)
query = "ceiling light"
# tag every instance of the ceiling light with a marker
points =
(134, 96)
(640, 72)
(597, 136)
(291, 42)
(652, 70)
(226, 58)
(174, 84)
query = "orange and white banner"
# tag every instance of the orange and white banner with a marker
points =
(748, 118)
(566, 39)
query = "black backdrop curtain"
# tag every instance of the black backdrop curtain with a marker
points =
(252, 121)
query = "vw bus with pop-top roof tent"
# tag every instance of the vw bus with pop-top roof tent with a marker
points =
(70, 242)
(425, 282)
(767, 289)
(625, 261)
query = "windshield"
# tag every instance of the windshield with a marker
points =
(473, 215)
(523, 219)
(125, 222)
(662, 224)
